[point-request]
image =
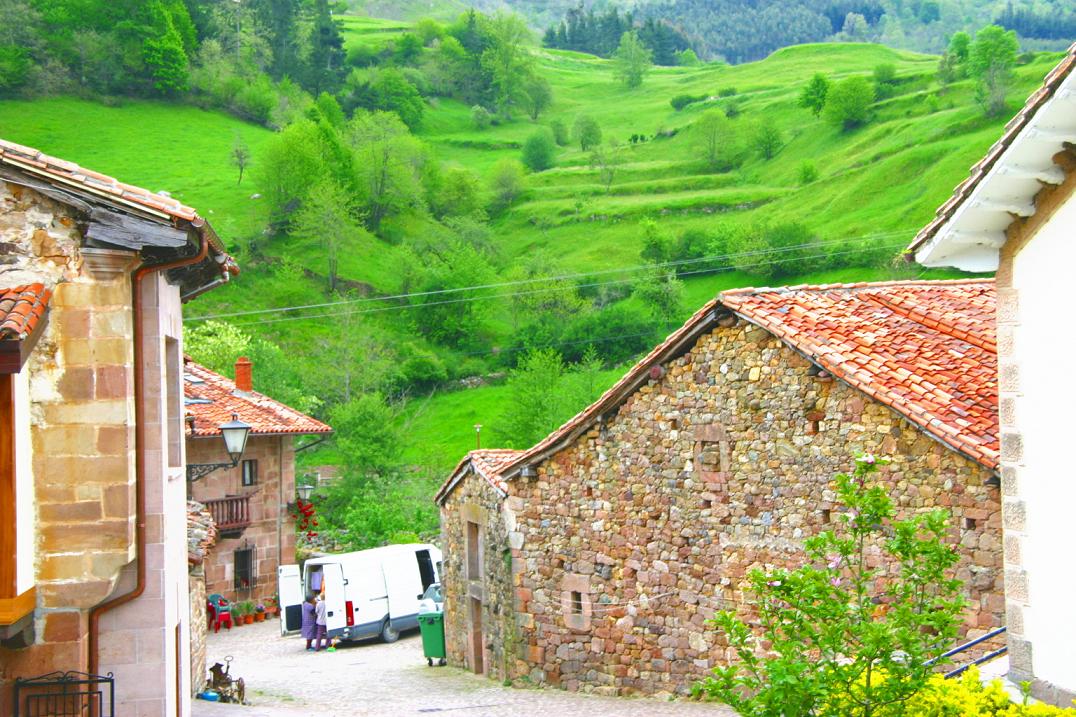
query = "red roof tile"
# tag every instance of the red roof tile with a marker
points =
(21, 307)
(486, 462)
(926, 349)
(211, 399)
(1014, 127)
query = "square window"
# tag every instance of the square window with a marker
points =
(250, 472)
(969, 523)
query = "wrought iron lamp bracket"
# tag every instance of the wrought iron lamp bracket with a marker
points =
(201, 470)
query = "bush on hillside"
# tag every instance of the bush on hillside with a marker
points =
(506, 183)
(481, 117)
(587, 132)
(679, 102)
(848, 103)
(808, 172)
(540, 150)
(772, 251)
(718, 141)
(618, 332)
(768, 140)
(885, 80)
(560, 133)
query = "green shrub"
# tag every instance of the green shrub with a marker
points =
(539, 151)
(560, 133)
(726, 92)
(732, 111)
(679, 102)
(808, 172)
(848, 102)
(481, 117)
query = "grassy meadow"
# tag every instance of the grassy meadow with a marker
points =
(881, 183)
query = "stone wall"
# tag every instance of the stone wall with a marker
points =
(633, 536)
(81, 415)
(477, 501)
(268, 499)
(199, 628)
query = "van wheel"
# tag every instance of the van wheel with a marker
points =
(388, 632)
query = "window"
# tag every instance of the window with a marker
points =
(250, 472)
(425, 568)
(474, 556)
(577, 602)
(245, 576)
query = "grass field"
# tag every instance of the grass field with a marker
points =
(884, 180)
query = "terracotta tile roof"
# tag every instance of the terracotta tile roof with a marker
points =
(486, 462)
(211, 399)
(201, 532)
(21, 308)
(86, 182)
(1015, 126)
(925, 348)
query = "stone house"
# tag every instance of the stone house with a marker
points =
(249, 502)
(201, 536)
(593, 560)
(1015, 214)
(93, 558)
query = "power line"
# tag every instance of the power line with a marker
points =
(562, 277)
(404, 307)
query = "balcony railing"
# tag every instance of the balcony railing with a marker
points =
(231, 514)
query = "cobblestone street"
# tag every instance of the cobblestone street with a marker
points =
(283, 680)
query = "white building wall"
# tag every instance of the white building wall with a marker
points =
(1043, 403)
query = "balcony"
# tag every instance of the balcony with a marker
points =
(231, 514)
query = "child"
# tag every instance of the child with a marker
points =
(309, 628)
(320, 623)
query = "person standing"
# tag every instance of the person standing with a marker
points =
(309, 629)
(321, 624)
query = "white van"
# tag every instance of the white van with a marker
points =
(368, 593)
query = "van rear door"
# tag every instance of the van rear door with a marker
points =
(335, 617)
(404, 590)
(289, 587)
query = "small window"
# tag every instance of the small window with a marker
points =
(577, 602)
(173, 392)
(969, 523)
(250, 472)
(244, 568)
(826, 515)
(474, 556)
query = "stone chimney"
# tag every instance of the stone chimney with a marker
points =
(244, 379)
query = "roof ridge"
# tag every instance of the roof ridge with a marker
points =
(751, 290)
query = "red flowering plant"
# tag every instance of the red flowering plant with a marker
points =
(305, 517)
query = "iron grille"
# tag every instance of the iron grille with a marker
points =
(66, 694)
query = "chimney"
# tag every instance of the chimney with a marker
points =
(244, 380)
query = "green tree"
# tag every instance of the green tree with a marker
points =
(632, 60)
(688, 58)
(506, 183)
(844, 634)
(507, 60)
(395, 93)
(718, 140)
(768, 140)
(606, 158)
(292, 161)
(657, 243)
(885, 79)
(366, 434)
(813, 95)
(587, 132)
(328, 218)
(537, 402)
(991, 59)
(240, 156)
(539, 150)
(772, 251)
(481, 117)
(537, 95)
(164, 54)
(388, 165)
(960, 46)
(560, 133)
(662, 295)
(454, 191)
(407, 49)
(325, 67)
(848, 103)
(445, 313)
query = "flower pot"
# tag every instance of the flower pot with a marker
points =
(259, 617)
(248, 619)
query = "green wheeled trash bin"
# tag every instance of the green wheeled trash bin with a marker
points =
(432, 627)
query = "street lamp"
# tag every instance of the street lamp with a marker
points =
(304, 492)
(235, 434)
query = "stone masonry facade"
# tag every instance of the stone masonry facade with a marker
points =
(81, 413)
(628, 540)
(271, 532)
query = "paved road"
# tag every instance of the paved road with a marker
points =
(368, 679)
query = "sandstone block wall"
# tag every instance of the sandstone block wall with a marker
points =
(199, 629)
(632, 537)
(270, 539)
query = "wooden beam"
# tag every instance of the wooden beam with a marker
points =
(8, 511)
(16, 608)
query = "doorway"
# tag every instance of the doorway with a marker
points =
(477, 647)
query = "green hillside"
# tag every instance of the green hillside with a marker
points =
(876, 186)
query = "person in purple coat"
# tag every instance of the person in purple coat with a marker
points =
(309, 628)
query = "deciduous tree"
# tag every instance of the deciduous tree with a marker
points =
(813, 96)
(848, 102)
(537, 95)
(632, 60)
(587, 132)
(990, 61)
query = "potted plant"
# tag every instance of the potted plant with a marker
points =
(248, 614)
(259, 613)
(271, 607)
(237, 613)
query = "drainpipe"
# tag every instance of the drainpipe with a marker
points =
(140, 455)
